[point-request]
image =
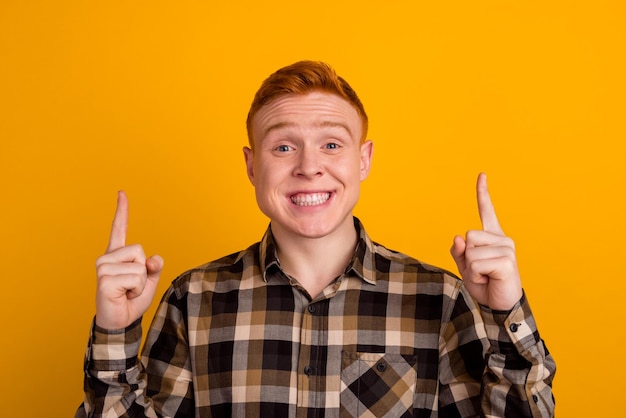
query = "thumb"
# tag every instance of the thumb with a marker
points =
(154, 265)
(458, 252)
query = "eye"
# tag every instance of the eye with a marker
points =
(331, 145)
(283, 148)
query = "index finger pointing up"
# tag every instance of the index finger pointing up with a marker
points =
(120, 223)
(486, 210)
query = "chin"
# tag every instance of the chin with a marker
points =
(319, 229)
(311, 230)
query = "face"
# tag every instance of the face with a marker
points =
(308, 163)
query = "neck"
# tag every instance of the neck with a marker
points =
(316, 262)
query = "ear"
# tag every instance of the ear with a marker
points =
(248, 156)
(367, 150)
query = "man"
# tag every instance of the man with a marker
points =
(317, 320)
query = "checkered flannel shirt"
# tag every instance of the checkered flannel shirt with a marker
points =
(391, 337)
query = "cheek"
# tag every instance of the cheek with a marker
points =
(356, 170)
(268, 181)
(350, 176)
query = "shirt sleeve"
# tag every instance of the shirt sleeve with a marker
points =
(492, 363)
(119, 384)
(519, 370)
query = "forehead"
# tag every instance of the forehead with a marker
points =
(316, 109)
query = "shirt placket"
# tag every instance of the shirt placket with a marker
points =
(311, 360)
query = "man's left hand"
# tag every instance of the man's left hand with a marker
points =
(486, 258)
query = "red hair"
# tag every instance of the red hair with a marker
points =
(301, 78)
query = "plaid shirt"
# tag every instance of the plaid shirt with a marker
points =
(391, 337)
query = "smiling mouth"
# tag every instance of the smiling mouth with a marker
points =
(309, 199)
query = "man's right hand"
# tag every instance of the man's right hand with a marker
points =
(127, 280)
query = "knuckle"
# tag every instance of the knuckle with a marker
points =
(508, 252)
(472, 237)
(510, 243)
(104, 283)
(472, 265)
(511, 263)
(512, 254)
(100, 270)
(101, 260)
(137, 250)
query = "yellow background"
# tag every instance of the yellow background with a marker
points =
(151, 97)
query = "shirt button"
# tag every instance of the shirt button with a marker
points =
(514, 327)
(312, 309)
(381, 367)
(535, 398)
(308, 370)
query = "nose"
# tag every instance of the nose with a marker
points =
(309, 163)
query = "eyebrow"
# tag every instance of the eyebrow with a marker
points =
(323, 124)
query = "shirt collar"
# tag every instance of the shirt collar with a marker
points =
(363, 263)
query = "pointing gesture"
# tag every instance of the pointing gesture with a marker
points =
(120, 224)
(486, 258)
(486, 210)
(127, 280)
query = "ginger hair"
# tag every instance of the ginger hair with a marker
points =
(301, 78)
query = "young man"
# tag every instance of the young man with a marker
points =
(317, 320)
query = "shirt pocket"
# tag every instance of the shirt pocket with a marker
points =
(377, 384)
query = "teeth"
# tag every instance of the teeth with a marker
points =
(309, 199)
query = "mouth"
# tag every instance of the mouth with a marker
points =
(309, 199)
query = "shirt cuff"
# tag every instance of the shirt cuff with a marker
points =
(511, 332)
(114, 350)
